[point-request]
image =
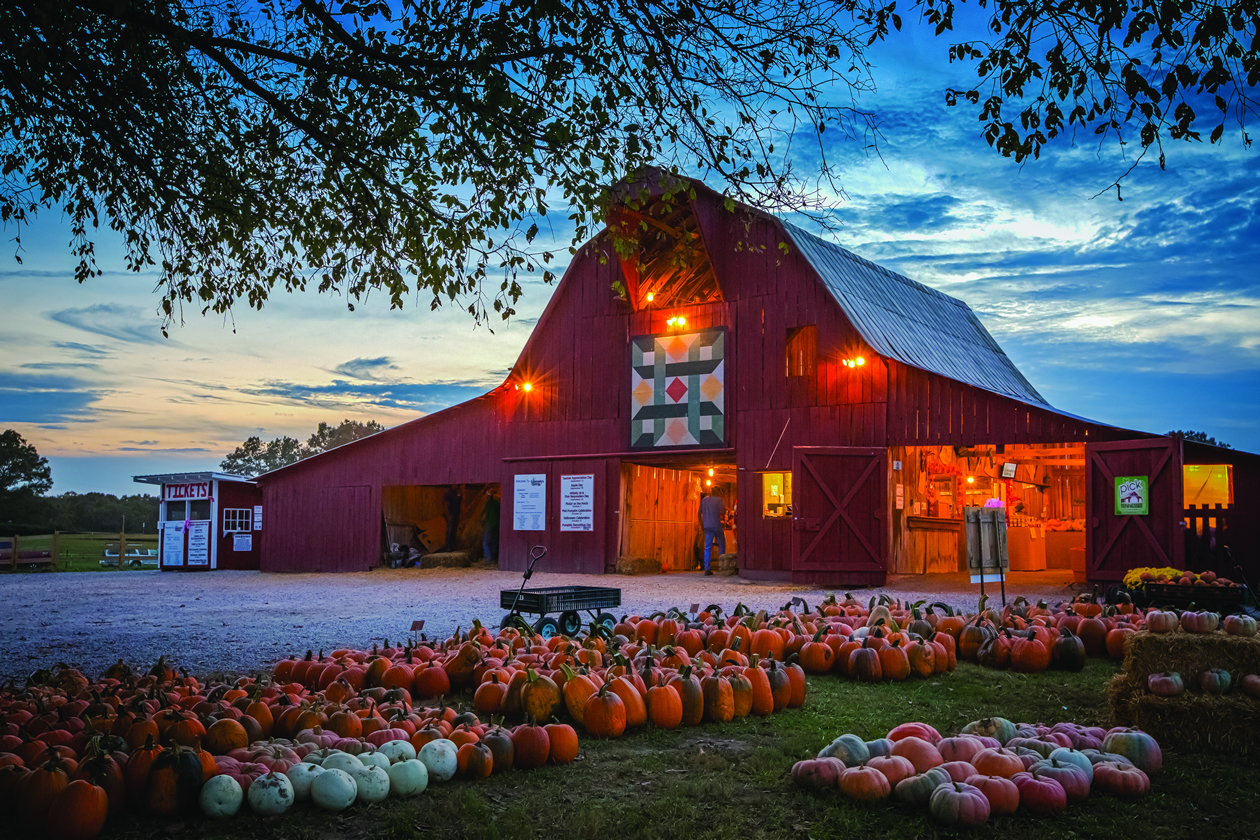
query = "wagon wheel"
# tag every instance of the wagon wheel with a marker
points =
(570, 623)
(607, 620)
(546, 627)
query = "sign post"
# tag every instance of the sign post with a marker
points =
(987, 557)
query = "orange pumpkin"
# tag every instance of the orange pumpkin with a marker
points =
(564, 743)
(78, 812)
(605, 713)
(37, 790)
(664, 707)
(474, 761)
(531, 746)
(225, 735)
(719, 703)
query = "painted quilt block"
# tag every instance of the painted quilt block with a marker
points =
(678, 390)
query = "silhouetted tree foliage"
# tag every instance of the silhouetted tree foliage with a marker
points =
(254, 457)
(1201, 437)
(418, 148)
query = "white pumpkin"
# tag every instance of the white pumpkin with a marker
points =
(270, 795)
(408, 778)
(301, 776)
(334, 790)
(375, 760)
(221, 797)
(373, 784)
(439, 758)
(342, 761)
(396, 751)
(318, 756)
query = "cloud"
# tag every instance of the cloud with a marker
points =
(366, 368)
(129, 324)
(82, 349)
(60, 366)
(419, 396)
(25, 398)
(168, 451)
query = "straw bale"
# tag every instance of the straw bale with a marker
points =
(1193, 721)
(1190, 654)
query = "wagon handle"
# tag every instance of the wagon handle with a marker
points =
(535, 554)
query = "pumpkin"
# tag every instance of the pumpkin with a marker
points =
(849, 748)
(1161, 621)
(719, 702)
(499, 741)
(894, 664)
(816, 656)
(1040, 795)
(1029, 656)
(917, 790)
(880, 746)
(1093, 633)
(864, 665)
(1003, 795)
(1076, 757)
(221, 797)
(408, 778)
(998, 762)
(77, 812)
(1072, 778)
(136, 773)
(864, 784)
(175, 780)
(917, 730)
(632, 699)
(371, 784)
(664, 707)
(531, 747)
(961, 748)
(922, 658)
(334, 790)
(922, 754)
(1116, 639)
(563, 741)
(691, 694)
(1168, 684)
(1123, 780)
(440, 759)
(1215, 681)
(996, 727)
(474, 761)
(301, 777)
(539, 696)
(894, 767)
(958, 803)
(959, 771)
(605, 714)
(397, 750)
(818, 773)
(270, 795)
(1250, 684)
(1137, 746)
(1239, 625)
(225, 735)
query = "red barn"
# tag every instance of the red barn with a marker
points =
(846, 415)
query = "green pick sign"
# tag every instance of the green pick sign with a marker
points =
(1133, 495)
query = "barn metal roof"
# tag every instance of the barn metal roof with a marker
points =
(912, 323)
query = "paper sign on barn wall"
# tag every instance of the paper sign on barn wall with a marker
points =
(242, 542)
(529, 503)
(257, 517)
(199, 544)
(577, 503)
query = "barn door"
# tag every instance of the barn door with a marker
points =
(346, 537)
(839, 495)
(1115, 543)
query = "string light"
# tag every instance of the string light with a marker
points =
(677, 321)
(710, 471)
(650, 297)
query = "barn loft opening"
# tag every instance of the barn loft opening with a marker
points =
(662, 253)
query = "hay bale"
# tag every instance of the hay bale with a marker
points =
(727, 565)
(638, 566)
(1193, 721)
(1190, 654)
(447, 560)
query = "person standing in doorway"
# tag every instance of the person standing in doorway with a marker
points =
(490, 533)
(711, 511)
(454, 501)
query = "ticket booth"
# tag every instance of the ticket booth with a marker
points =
(207, 521)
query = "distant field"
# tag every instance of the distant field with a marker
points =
(80, 552)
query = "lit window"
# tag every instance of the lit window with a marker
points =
(1208, 484)
(776, 495)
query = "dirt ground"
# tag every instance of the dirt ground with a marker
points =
(235, 621)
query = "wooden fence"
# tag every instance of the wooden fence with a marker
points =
(78, 552)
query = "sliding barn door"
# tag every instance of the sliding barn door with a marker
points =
(839, 498)
(1115, 543)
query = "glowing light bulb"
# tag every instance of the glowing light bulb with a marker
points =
(861, 361)
(527, 387)
(682, 321)
(710, 471)
(971, 479)
(708, 483)
(650, 297)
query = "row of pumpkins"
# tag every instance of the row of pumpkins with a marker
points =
(993, 767)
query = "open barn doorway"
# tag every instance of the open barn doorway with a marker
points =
(1041, 488)
(445, 523)
(660, 513)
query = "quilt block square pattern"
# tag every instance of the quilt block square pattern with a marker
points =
(678, 390)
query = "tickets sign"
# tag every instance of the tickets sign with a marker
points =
(192, 490)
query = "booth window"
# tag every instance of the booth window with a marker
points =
(237, 519)
(199, 510)
(176, 511)
(776, 495)
(1208, 484)
(802, 350)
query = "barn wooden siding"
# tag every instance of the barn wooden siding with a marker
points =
(325, 514)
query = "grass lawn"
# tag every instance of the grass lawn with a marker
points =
(732, 781)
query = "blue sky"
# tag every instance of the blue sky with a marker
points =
(1144, 313)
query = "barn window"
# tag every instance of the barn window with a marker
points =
(237, 519)
(802, 350)
(776, 495)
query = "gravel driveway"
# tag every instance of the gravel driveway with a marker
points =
(237, 621)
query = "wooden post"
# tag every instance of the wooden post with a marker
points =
(56, 541)
(15, 551)
(122, 547)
